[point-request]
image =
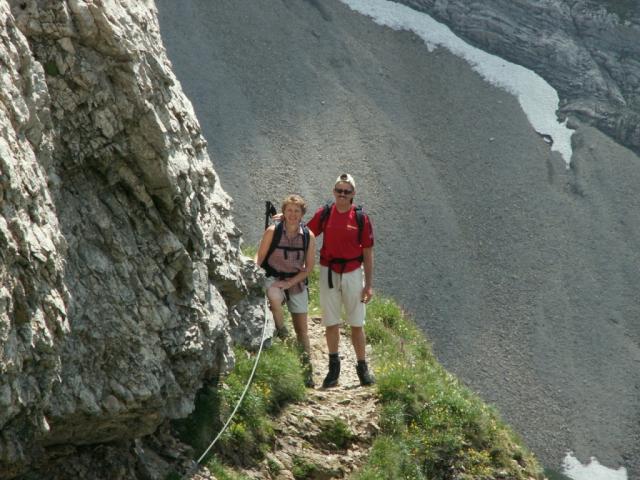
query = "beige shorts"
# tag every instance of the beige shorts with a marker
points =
(346, 295)
(297, 303)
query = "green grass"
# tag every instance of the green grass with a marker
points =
(335, 434)
(278, 380)
(224, 472)
(249, 250)
(314, 293)
(432, 426)
(303, 468)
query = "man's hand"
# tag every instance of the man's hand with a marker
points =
(367, 294)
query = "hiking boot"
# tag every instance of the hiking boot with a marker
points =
(282, 333)
(331, 380)
(365, 376)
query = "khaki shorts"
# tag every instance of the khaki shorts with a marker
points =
(346, 295)
(297, 303)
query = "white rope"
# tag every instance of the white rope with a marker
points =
(255, 365)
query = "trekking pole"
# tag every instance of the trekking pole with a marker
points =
(270, 210)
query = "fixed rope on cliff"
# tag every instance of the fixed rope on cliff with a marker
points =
(270, 211)
(244, 392)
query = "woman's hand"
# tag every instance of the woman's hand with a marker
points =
(284, 284)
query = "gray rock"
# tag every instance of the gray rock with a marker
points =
(588, 50)
(120, 269)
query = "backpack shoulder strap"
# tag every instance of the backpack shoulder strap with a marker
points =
(326, 211)
(305, 238)
(275, 240)
(360, 216)
(305, 246)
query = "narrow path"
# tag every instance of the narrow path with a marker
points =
(302, 449)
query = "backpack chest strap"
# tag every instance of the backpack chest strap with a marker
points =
(291, 249)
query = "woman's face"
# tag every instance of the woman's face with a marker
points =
(292, 213)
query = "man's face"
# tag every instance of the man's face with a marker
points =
(343, 192)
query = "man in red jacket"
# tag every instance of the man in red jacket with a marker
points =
(346, 274)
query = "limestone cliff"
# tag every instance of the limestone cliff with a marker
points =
(589, 50)
(120, 274)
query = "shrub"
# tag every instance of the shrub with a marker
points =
(221, 472)
(303, 468)
(314, 292)
(393, 418)
(280, 377)
(390, 457)
(199, 428)
(335, 433)
(432, 427)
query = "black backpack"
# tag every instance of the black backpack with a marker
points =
(277, 235)
(326, 211)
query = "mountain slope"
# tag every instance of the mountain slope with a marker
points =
(521, 272)
(587, 49)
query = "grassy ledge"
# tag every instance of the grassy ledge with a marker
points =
(278, 381)
(432, 427)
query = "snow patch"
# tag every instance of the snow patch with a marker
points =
(538, 99)
(593, 470)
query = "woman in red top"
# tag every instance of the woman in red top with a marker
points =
(346, 275)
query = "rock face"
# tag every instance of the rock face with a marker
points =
(120, 275)
(588, 50)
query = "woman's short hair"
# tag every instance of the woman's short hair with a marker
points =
(295, 200)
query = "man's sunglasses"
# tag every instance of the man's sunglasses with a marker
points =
(342, 192)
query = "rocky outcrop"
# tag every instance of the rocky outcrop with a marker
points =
(588, 50)
(120, 273)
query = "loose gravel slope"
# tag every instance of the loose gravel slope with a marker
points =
(523, 274)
